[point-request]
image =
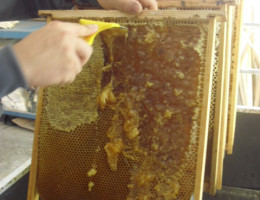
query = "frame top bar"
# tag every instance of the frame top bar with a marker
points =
(146, 14)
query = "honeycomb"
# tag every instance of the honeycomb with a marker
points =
(128, 127)
(82, 99)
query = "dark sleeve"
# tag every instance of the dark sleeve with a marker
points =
(65, 4)
(17, 9)
(88, 3)
(11, 76)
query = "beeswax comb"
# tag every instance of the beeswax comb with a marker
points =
(101, 27)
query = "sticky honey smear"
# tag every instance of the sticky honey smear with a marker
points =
(92, 172)
(90, 186)
(106, 97)
(72, 105)
(113, 149)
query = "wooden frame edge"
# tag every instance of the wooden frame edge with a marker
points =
(233, 97)
(191, 4)
(146, 14)
(218, 112)
(225, 97)
(200, 169)
(32, 190)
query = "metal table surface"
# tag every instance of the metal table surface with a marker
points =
(15, 154)
(22, 29)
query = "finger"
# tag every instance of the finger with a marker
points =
(150, 4)
(73, 28)
(83, 51)
(131, 6)
(91, 29)
(72, 78)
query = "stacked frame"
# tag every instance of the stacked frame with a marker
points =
(223, 112)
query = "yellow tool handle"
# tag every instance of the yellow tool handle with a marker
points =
(101, 27)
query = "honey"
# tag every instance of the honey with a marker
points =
(92, 172)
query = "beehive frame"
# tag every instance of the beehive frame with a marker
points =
(32, 194)
(218, 115)
(232, 27)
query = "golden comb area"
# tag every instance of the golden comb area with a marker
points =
(128, 127)
(81, 95)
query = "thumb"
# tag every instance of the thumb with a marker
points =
(131, 6)
(91, 29)
(150, 4)
(73, 28)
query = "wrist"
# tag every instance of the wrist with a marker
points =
(25, 70)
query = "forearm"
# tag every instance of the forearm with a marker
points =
(11, 76)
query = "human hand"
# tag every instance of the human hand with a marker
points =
(128, 6)
(54, 54)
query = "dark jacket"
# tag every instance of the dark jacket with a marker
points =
(23, 9)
